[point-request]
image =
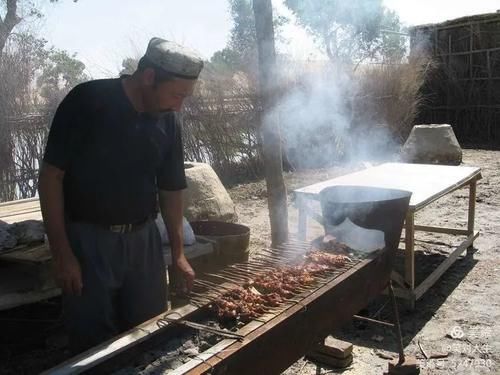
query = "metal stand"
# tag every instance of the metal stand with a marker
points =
(397, 326)
(403, 365)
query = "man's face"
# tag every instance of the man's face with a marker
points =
(171, 94)
(168, 95)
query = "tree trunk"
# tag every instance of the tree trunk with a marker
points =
(10, 20)
(269, 127)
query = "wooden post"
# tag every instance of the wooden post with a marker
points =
(471, 214)
(269, 127)
(410, 257)
(302, 222)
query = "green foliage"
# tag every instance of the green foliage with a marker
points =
(240, 53)
(351, 31)
(60, 72)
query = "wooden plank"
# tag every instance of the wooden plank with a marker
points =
(426, 182)
(21, 217)
(302, 222)
(19, 201)
(410, 250)
(28, 254)
(24, 283)
(431, 229)
(19, 207)
(309, 212)
(25, 209)
(471, 214)
(438, 272)
(9, 301)
(465, 53)
(493, 17)
(18, 210)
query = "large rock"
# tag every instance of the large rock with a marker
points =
(432, 144)
(206, 198)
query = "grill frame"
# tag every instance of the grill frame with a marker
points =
(271, 344)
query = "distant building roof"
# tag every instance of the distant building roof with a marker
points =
(478, 18)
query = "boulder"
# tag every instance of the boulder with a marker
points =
(206, 198)
(432, 144)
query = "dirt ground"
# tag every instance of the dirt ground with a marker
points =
(457, 318)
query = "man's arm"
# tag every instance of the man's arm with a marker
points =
(66, 266)
(171, 211)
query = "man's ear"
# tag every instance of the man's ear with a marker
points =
(148, 77)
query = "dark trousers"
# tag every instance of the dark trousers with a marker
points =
(124, 282)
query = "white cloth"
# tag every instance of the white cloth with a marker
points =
(189, 237)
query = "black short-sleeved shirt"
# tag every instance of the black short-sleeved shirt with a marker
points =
(114, 157)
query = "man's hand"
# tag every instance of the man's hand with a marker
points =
(68, 273)
(67, 270)
(186, 272)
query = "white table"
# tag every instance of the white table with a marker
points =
(427, 184)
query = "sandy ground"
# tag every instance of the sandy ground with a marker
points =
(458, 317)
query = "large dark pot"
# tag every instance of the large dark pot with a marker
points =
(368, 207)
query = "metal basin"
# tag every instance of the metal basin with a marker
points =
(368, 207)
(231, 240)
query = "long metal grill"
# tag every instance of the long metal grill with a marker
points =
(216, 285)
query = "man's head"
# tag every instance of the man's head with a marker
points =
(167, 74)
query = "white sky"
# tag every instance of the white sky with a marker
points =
(103, 32)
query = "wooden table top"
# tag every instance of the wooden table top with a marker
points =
(20, 210)
(426, 182)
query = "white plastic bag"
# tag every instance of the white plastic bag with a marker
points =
(189, 238)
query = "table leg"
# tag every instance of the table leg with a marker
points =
(302, 223)
(410, 257)
(471, 214)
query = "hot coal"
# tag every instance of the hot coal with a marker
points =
(174, 352)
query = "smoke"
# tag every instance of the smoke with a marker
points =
(325, 118)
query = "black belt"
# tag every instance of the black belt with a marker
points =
(126, 228)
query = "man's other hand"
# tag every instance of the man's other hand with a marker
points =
(186, 272)
(68, 273)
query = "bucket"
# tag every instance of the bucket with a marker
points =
(231, 240)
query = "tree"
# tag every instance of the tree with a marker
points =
(60, 72)
(351, 31)
(22, 58)
(240, 54)
(8, 22)
(269, 126)
(10, 17)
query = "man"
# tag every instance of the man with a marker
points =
(114, 153)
